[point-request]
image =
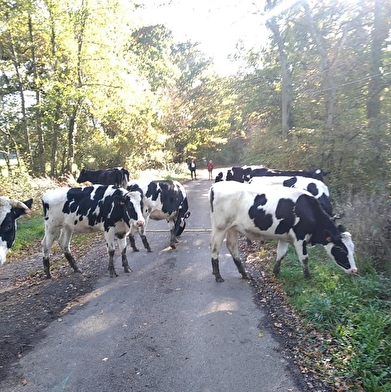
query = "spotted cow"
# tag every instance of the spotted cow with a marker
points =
(10, 211)
(90, 209)
(291, 216)
(162, 200)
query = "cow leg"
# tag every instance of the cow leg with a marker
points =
(111, 264)
(141, 231)
(173, 239)
(64, 240)
(282, 249)
(109, 236)
(47, 243)
(232, 245)
(145, 243)
(216, 239)
(133, 242)
(122, 247)
(301, 250)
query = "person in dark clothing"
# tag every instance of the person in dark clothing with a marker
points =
(193, 168)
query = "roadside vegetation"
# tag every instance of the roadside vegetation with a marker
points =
(344, 322)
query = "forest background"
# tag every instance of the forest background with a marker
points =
(85, 84)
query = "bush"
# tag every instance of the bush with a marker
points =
(368, 218)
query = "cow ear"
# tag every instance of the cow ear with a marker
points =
(341, 229)
(120, 200)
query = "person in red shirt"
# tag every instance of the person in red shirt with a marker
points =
(210, 169)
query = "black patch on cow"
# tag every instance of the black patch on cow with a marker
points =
(340, 254)
(290, 182)
(285, 214)
(307, 210)
(8, 225)
(7, 229)
(261, 219)
(313, 189)
(152, 191)
(211, 200)
(324, 201)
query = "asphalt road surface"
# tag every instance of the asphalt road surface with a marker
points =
(165, 327)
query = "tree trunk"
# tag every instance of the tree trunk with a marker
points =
(380, 31)
(286, 82)
(71, 140)
(38, 115)
(328, 80)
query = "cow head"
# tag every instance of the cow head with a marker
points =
(81, 177)
(341, 249)
(10, 211)
(131, 204)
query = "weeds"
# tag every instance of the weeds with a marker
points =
(355, 311)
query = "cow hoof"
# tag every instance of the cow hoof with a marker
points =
(219, 279)
(127, 270)
(135, 250)
(247, 276)
(173, 246)
(149, 250)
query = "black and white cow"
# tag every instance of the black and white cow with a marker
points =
(291, 216)
(245, 173)
(316, 187)
(117, 176)
(10, 211)
(90, 209)
(162, 200)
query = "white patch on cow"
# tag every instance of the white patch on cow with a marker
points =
(301, 183)
(3, 252)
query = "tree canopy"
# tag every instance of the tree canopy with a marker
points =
(87, 84)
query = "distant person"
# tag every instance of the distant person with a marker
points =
(193, 168)
(210, 169)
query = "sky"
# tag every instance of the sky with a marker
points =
(216, 24)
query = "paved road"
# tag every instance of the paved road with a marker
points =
(166, 327)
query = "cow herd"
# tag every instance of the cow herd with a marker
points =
(292, 207)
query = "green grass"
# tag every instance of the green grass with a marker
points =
(30, 233)
(30, 229)
(355, 311)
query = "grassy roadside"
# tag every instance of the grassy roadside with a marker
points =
(346, 320)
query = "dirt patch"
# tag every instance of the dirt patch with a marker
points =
(29, 302)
